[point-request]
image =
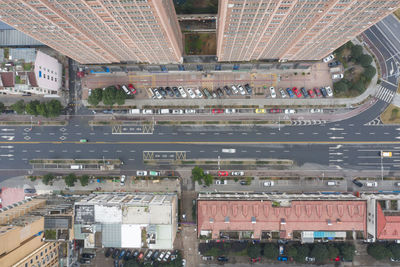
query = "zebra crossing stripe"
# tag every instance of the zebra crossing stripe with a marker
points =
(384, 94)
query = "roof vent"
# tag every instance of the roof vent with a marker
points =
(227, 219)
(253, 219)
(283, 221)
(329, 222)
(211, 220)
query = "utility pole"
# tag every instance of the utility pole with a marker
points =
(381, 166)
(279, 123)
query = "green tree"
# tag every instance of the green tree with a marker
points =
(358, 86)
(369, 72)
(109, 95)
(333, 252)
(347, 251)
(302, 253)
(291, 251)
(379, 251)
(96, 96)
(84, 179)
(54, 108)
(31, 107)
(47, 178)
(340, 86)
(271, 251)
(365, 60)
(197, 173)
(42, 109)
(208, 179)
(395, 249)
(2, 107)
(70, 179)
(356, 52)
(254, 251)
(120, 97)
(319, 252)
(19, 106)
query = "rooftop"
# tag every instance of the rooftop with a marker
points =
(388, 227)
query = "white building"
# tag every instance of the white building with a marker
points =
(127, 220)
(48, 73)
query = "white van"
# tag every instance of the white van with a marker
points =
(332, 183)
(76, 167)
(134, 111)
(165, 111)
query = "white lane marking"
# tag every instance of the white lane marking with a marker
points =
(160, 133)
(343, 133)
(51, 151)
(106, 133)
(351, 124)
(119, 151)
(38, 133)
(92, 133)
(215, 151)
(202, 133)
(272, 151)
(244, 133)
(244, 151)
(64, 151)
(78, 133)
(315, 133)
(216, 133)
(272, 133)
(131, 159)
(301, 133)
(230, 133)
(91, 151)
(259, 133)
(286, 151)
(188, 133)
(78, 151)
(258, 151)
(37, 151)
(132, 151)
(174, 133)
(24, 151)
(24, 159)
(76, 125)
(386, 133)
(371, 133)
(287, 133)
(358, 133)
(201, 151)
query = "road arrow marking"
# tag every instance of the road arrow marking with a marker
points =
(336, 147)
(9, 138)
(336, 160)
(336, 154)
(6, 147)
(336, 137)
(398, 137)
(8, 130)
(7, 155)
(336, 129)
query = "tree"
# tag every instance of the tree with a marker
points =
(197, 173)
(96, 96)
(379, 251)
(271, 251)
(369, 72)
(42, 109)
(31, 107)
(319, 252)
(131, 263)
(120, 97)
(54, 108)
(70, 179)
(333, 252)
(292, 251)
(302, 253)
(356, 51)
(109, 96)
(254, 251)
(340, 86)
(358, 86)
(395, 249)
(19, 106)
(47, 178)
(208, 179)
(2, 107)
(84, 179)
(347, 251)
(365, 60)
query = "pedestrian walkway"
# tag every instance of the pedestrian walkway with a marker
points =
(384, 94)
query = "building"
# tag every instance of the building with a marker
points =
(10, 37)
(101, 31)
(11, 195)
(48, 74)
(292, 30)
(21, 236)
(294, 217)
(131, 220)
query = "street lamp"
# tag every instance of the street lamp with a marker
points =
(381, 166)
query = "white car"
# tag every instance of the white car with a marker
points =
(269, 183)
(147, 111)
(329, 90)
(329, 58)
(191, 94)
(123, 177)
(228, 150)
(190, 111)
(221, 182)
(290, 111)
(90, 92)
(337, 76)
(315, 110)
(198, 93)
(158, 95)
(161, 256)
(241, 90)
(182, 91)
(237, 173)
(273, 93)
(234, 90)
(371, 184)
(177, 111)
(141, 173)
(230, 110)
(283, 94)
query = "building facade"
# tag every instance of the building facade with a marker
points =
(294, 29)
(101, 31)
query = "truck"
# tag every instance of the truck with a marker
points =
(154, 173)
(134, 111)
(76, 167)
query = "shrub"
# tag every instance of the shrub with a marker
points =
(70, 179)
(254, 251)
(47, 178)
(319, 252)
(379, 251)
(356, 52)
(365, 60)
(84, 179)
(271, 251)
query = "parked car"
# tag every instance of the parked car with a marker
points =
(162, 91)
(162, 254)
(243, 182)
(214, 95)
(167, 255)
(323, 92)
(217, 111)
(283, 94)
(234, 89)
(155, 255)
(148, 254)
(147, 111)
(123, 177)
(84, 260)
(310, 259)
(297, 92)
(317, 92)
(329, 58)
(131, 88)
(221, 182)
(223, 173)
(290, 92)
(157, 93)
(357, 183)
(227, 90)
(269, 183)
(241, 90)
(281, 249)
(207, 93)
(237, 173)
(198, 93)
(260, 110)
(169, 91)
(122, 254)
(329, 91)
(337, 76)
(290, 111)
(311, 93)
(230, 110)
(222, 259)
(109, 252)
(190, 111)
(191, 93)
(371, 184)
(304, 91)
(219, 92)
(207, 258)
(177, 111)
(254, 260)
(140, 256)
(248, 88)
(274, 110)
(141, 173)
(182, 91)
(386, 154)
(272, 91)
(127, 255)
(115, 253)
(334, 63)
(135, 254)
(88, 255)
(176, 91)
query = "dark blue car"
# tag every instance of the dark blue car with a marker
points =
(290, 92)
(282, 258)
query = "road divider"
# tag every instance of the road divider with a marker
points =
(225, 162)
(41, 123)
(76, 164)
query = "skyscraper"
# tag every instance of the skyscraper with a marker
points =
(101, 31)
(292, 29)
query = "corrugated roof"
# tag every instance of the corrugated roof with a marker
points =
(12, 37)
(26, 54)
(111, 235)
(57, 222)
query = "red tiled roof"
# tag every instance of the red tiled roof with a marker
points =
(10, 196)
(300, 216)
(388, 227)
(7, 79)
(32, 79)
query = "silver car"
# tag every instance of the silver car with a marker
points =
(182, 91)
(283, 94)
(241, 90)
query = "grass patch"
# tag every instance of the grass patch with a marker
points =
(200, 44)
(27, 66)
(397, 13)
(391, 115)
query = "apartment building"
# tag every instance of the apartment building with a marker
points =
(292, 29)
(101, 31)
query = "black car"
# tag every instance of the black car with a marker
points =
(88, 255)
(304, 91)
(127, 255)
(323, 92)
(227, 90)
(162, 91)
(169, 91)
(357, 183)
(333, 64)
(148, 255)
(155, 255)
(115, 253)
(122, 254)
(135, 254)
(219, 92)
(109, 252)
(243, 182)
(222, 258)
(248, 88)
(84, 260)
(176, 91)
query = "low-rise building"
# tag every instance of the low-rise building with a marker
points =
(127, 220)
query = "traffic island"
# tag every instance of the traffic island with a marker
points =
(221, 162)
(76, 164)
(391, 115)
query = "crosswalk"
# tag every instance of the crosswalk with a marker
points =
(384, 94)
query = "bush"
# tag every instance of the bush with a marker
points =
(333, 252)
(356, 52)
(302, 253)
(369, 72)
(347, 251)
(120, 97)
(340, 86)
(292, 251)
(365, 60)
(358, 86)
(19, 106)
(379, 251)
(2, 107)
(70, 179)
(96, 96)
(48, 178)
(271, 251)
(254, 251)
(320, 253)
(394, 114)
(395, 249)
(84, 179)
(109, 95)
(31, 107)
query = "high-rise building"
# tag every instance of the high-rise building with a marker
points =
(100, 31)
(292, 29)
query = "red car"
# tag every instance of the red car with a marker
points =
(253, 260)
(217, 111)
(311, 93)
(223, 173)
(133, 90)
(297, 92)
(274, 110)
(317, 92)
